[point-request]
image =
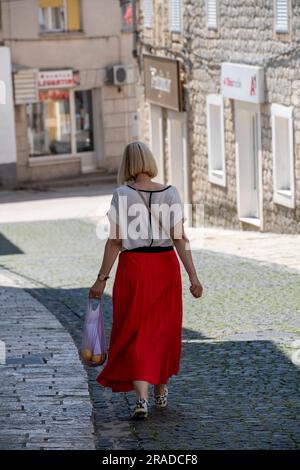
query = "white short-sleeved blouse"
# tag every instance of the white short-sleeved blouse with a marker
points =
(139, 227)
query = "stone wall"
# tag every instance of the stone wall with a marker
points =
(119, 109)
(165, 44)
(245, 35)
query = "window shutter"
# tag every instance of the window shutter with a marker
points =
(51, 3)
(282, 16)
(73, 15)
(26, 86)
(147, 12)
(175, 16)
(211, 8)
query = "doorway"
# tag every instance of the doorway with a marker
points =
(177, 150)
(157, 140)
(248, 161)
(176, 133)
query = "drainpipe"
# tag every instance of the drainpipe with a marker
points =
(135, 33)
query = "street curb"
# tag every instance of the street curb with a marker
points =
(45, 399)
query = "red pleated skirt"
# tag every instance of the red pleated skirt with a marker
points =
(145, 341)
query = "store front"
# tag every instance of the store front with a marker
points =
(245, 85)
(163, 90)
(61, 116)
(61, 122)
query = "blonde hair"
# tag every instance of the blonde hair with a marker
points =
(137, 158)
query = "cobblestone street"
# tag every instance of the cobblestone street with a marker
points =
(238, 387)
(43, 404)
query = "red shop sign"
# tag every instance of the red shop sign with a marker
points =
(53, 95)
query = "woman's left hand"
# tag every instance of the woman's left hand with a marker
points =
(97, 289)
(196, 287)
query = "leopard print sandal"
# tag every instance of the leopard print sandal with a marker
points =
(141, 409)
(161, 401)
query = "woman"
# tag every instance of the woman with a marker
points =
(145, 342)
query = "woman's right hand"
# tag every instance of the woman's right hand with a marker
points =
(196, 288)
(97, 289)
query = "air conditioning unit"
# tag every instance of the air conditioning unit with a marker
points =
(120, 75)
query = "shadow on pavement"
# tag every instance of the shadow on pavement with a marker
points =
(227, 395)
(7, 247)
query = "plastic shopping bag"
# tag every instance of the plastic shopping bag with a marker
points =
(93, 346)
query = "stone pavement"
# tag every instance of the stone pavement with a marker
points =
(44, 397)
(269, 247)
(238, 386)
(92, 202)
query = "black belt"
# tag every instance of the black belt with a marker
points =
(150, 249)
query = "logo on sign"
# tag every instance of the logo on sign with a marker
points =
(159, 82)
(232, 83)
(253, 85)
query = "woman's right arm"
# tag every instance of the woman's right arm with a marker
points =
(182, 245)
(112, 248)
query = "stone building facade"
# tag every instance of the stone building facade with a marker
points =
(240, 62)
(73, 111)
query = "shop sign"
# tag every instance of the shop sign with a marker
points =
(162, 82)
(58, 79)
(243, 82)
(53, 95)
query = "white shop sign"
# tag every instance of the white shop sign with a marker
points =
(243, 82)
(57, 79)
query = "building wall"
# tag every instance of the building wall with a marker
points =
(245, 35)
(100, 44)
(119, 108)
(165, 44)
(7, 131)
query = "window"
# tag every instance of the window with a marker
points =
(52, 19)
(127, 23)
(148, 13)
(211, 14)
(84, 121)
(283, 154)
(50, 124)
(59, 15)
(281, 16)
(215, 134)
(175, 12)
